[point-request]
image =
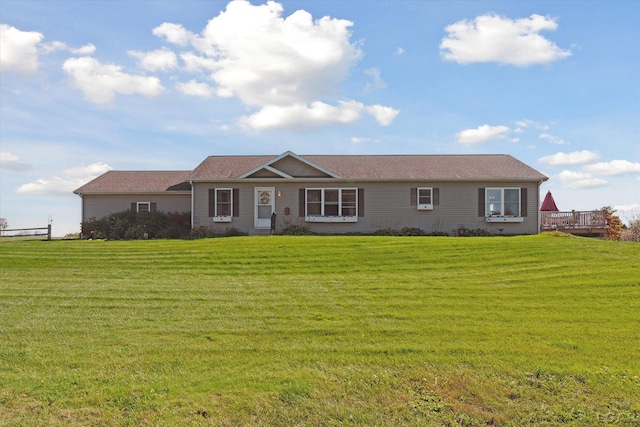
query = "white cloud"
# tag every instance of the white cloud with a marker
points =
(383, 115)
(265, 59)
(173, 33)
(12, 162)
(526, 123)
(482, 134)
(53, 46)
(614, 167)
(69, 181)
(156, 60)
(376, 81)
(571, 179)
(358, 140)
(100, 82)
(632, 208)
(195, 63)
(307, 116)
(194, 88)
(573, 158)
(493, 38)
(87, 49)
(552, 139)
(302, 116)
(286, 67)
(399, 51)
(57, 45)
(19, 50)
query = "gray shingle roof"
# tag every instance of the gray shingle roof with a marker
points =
(381, 167)
(367, 167)
(137, 182)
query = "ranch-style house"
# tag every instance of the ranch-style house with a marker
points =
(333, 194)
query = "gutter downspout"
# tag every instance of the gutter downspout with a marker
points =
(538, 215)
(193, 203)
(81, 212)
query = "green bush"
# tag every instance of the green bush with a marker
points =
(200, 233)
(129, 225)
(412, 231)
(233, 231)
(386, 232)
(405, 231)
(477, 232)
(296, 230)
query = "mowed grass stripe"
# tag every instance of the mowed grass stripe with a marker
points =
(320, 330)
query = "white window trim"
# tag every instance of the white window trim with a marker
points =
(143, 203)
(501, 217)
(323, 218)
(222, 218)
(331, 218)
(424, 206)
(505, 219)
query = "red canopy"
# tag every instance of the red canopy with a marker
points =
(548, 204)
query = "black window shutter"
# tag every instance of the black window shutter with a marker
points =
(212, 201)
(301, 202)
(236, 202)
(360, 202)
(134, 207)
(153, 207)
(413, 197)
(436, 196)
(481, 209)
(523, 202)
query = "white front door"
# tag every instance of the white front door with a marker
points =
(265, 206)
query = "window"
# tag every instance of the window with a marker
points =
(143, 207)
(503, 204)
(331, 205)
(223, 205)
(425, 198)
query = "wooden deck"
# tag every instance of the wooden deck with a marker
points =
(583, 223)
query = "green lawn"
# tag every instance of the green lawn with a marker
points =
(538, 330)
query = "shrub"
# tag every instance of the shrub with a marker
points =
(386, 232)
(632, 233)
(295, 230)
(130, 225)
(477, 232)
(232, 231)
(200, 233)
(412, 231)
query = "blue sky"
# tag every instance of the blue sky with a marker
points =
(91, 86)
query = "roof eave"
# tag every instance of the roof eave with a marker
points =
(123, 193)
(406, 179)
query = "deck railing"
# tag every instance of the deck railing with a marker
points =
(574, 220)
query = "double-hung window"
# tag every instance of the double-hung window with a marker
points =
(223, 205)
(425, 198)
(331, 205)
(143, 207)
(503, 204)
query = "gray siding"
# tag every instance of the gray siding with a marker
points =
(99, 206)
(297, 168)
(387, 205)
